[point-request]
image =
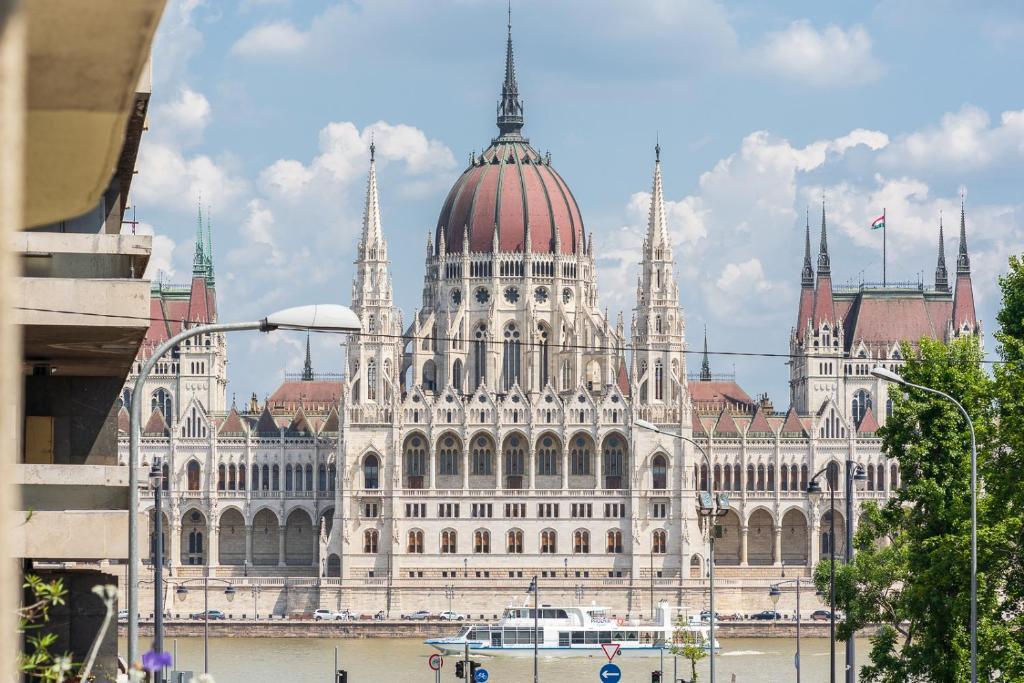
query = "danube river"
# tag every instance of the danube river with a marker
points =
(311, 660)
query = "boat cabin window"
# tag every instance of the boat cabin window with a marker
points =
(514, 613)
(522, 636)
(478, 633)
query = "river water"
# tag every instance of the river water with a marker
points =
(311, 660)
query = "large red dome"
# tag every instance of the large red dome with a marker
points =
(509, 187)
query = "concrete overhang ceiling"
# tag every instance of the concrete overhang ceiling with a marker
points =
(86, 61)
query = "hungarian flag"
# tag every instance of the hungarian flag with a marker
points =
(878, 223)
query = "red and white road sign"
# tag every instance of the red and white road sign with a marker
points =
(610, 650)
(435, 662)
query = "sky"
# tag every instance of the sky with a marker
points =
(263, 110)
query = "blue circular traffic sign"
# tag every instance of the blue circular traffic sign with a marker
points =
(481, 675)
(610, 673)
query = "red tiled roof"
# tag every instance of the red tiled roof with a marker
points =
(868, 423)
(963, 302)
(824, 310)
(759, 424)
(696, 426)
(793, 426)
(716, 395)
(156, 425)
(333, 424)
(889, 319)
(316, 395)
(266, 426)
(299, 424)
(622, 379)
(805, 311)
(726, 426)
(232, 425)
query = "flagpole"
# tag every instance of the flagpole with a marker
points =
(885, 228)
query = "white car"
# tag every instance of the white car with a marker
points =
(451, 616)
(325, 615)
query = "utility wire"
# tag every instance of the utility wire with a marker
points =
(408, 338)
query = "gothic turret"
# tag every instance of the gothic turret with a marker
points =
(705, 361)
(824, 309)
(965, 319)
(307, 367)
(806, 308)
(941, 274)
(510, 107)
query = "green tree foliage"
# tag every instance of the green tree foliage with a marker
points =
(911, 573)
(688, 645)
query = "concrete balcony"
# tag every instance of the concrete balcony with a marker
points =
(72, 512)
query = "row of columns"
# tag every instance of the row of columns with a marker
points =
(211, 550)
(499, 462)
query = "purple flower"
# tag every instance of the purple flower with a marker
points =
(155, 661)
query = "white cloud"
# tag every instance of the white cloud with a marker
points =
(830, 57)
(169, 179)
(181, 121)
(275, 39)
(161, 259)
(741, 291)
(963, 139)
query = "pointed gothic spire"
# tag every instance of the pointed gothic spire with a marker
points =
(199, 257)
(307, 368)
(807, 275)
(824, 264)
(510, 107)
(941, 274)
(963, 261)
(705, 364)
(657, 223)
(210, 280)
(372, 231)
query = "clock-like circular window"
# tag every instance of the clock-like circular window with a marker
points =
(511, 294)
(456, 296)
(482, 295)
(540, 294)
(566, 295)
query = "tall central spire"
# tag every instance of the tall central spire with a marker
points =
(510, 107)
(372, 234)
(199, 264)
(657, 225)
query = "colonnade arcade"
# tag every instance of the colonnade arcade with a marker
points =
(259, 540)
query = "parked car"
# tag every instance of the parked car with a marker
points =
(705, 617)
(451, 616)
(767, 615)
(419, 615)
(821, 615)
(212, 615)
(325, 615)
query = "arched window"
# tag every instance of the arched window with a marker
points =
(371, 379)
(192, 474)
(728, 478)
(544, 361)
(760, 477)
(332, 477)
(514, 542)
(771, 478)
(457, 375)
(515, 461)
(737, 481)
(548, 455)
(871, 478)
(163, 402)
(321, 479)
(566, 376)
(126, 398)
(276, 483)
(370, 538)
(717, 478)
(888, 407)
(581, 542)
(613, 462)
(613, 541)
(860, 405)
(880, 477)
(449, 544)
(415, 542)
(832, 472)
(894, 477)
(784, 477)
(309, 477)
(479, 355)
(415, 461)
(483, 455)
(255, 477)
(221, 476)
(803, 477)
(232, 477)
(579, 456)
(659, 542)
(659, 380)
(449, 455)
(511, 357)
(430, 376)
(298, 477)
(657, 324)
(751, 480)
(371, 472)
(548, 542)
(288, 478)
(481, 541)
(659, 472)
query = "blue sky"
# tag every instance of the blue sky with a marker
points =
(266, 107)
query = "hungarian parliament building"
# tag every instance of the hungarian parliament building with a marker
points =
(493, 436)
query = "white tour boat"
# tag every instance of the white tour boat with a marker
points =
(578, 631)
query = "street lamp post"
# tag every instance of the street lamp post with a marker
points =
(814, 494)
(889, 376)
(710, 506)
(181, 592)
(449, 592)
(774, 593)
(156, 483)
(320, 317)
(255, 594)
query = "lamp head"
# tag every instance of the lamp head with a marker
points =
(860, 478)
(814, 491)
(644, 424)
(155, 474)
(704, 503)
(722, 500)
(886, 374)
(318, 317)
(229, 593)
(180, 593)
(774, 594)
